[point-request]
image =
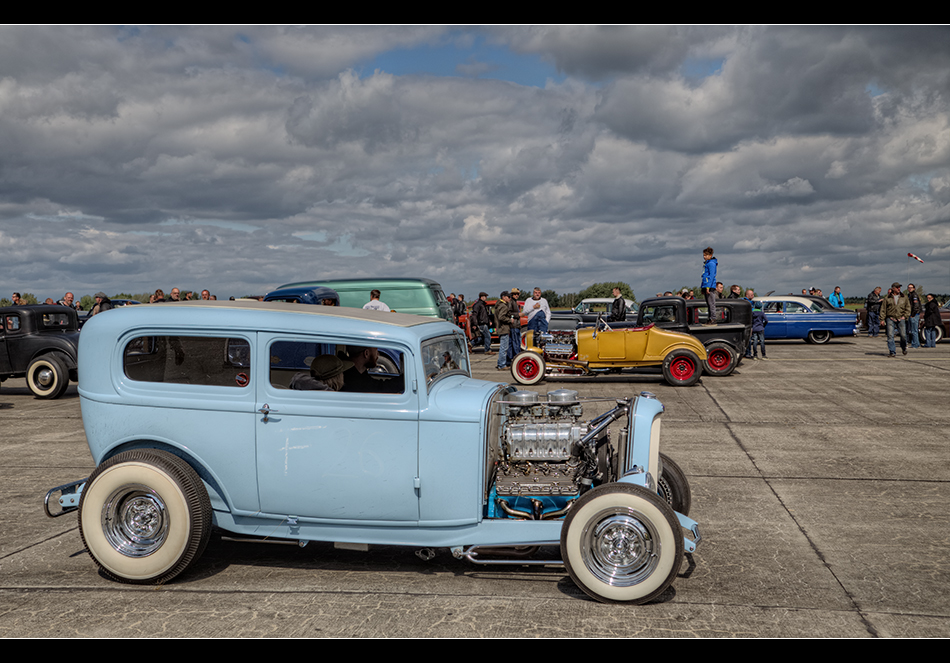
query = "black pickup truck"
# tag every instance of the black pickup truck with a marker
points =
(726, 342)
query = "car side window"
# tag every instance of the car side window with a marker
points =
(795, 307)
(12, 323)
(659, 314)
(315, 366)
(198, 360)
(772, 307)
(55, 320)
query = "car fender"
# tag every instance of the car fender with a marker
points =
(661, 342)
(216, 492)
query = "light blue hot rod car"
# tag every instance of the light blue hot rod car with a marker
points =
(193, 422)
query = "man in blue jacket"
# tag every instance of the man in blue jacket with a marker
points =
(708, 285)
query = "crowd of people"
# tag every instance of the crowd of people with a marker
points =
(903, 314)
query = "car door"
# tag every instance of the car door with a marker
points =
(799, 320)
(775, 314)
(4, 354)
(333, 455)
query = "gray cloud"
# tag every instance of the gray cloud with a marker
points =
(242, 158)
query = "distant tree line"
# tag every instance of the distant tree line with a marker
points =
(572, 299)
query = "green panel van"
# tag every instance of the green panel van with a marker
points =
(417, 296)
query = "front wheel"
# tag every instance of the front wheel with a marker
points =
(720, 360)
(681, 368)
(144, 516)
(528, 368)
(47, 376)
(819, 337)
(622, 544)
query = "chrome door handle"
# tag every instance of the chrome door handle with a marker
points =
(266, 411)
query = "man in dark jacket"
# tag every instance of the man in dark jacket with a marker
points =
(103, 303)
(913, 322)
(503, 327)
(618, 310)
(514, 344)
(482, 320)
(873, 307)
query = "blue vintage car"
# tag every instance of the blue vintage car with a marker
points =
(191, 418)
(805, 318)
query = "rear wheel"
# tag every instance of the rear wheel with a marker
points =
(144, 516)
(819, 337)
(721, 360)
(681, 368)
(47, 376)
(527, 368)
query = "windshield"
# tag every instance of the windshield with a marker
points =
(444, 355)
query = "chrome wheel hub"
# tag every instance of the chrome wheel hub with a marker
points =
(620, 547)
(44, 377)
(135, 521)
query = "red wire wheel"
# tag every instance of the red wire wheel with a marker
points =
(681, 368)
(720, 360)
(527, 368)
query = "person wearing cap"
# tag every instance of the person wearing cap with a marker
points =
(895, 309)
(482, 319)
(326, 374)
(103, 303)
(503, 327)
(514, 343)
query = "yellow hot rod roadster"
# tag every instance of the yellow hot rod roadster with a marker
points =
(603, 349)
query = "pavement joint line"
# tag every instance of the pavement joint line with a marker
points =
(851, 598)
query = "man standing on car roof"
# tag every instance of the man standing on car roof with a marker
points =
(895, 309)
(708, 284)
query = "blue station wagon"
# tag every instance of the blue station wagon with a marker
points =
(792, 317)
(193, 419)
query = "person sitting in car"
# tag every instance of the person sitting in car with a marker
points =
(326, 374)
(358, 377)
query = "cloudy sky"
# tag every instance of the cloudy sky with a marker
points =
(241, 158)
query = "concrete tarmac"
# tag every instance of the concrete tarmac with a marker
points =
(820, 480)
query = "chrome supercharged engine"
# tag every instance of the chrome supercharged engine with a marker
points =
(545, 450)
(559, 344)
